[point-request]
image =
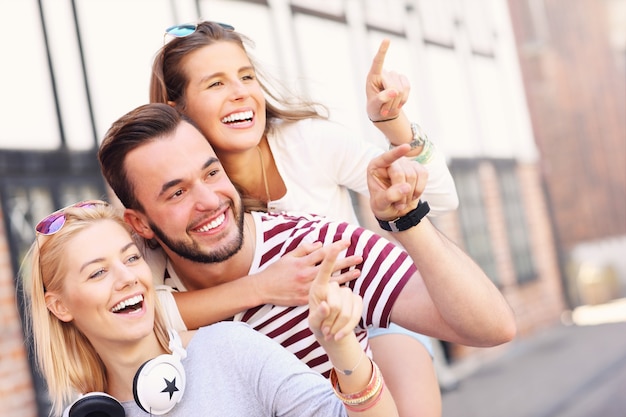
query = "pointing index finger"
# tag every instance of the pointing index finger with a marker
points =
(379, 60)
(327, 266)
(384, 160)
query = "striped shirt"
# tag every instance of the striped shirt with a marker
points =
(384, 271)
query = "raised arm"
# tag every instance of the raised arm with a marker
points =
(386, 93)
(334, 311)
(450, 297)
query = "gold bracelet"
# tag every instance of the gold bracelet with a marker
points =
(371, 404)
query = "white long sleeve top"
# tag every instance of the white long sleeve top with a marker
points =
(321, 162)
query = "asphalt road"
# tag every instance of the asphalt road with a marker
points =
(565, 371)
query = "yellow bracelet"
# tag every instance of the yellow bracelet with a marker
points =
(371, 404)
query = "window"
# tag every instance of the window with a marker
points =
(473, 217)
(438, 19)
(516, 224)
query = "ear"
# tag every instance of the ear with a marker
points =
(138, 222)
(56, 307)
(171, 103)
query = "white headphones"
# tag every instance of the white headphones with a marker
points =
(158, 386)
(159, 383)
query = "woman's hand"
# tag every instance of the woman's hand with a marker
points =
(334, 310)
(287, 281)
(386, 91)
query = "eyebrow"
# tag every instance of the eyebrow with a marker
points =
(212, 160)
(93, 261)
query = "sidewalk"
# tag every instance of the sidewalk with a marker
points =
(565, 371)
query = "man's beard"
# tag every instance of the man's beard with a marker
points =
(193, 253)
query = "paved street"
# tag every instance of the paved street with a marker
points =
(565, 371)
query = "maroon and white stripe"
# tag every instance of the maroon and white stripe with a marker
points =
(384, 271)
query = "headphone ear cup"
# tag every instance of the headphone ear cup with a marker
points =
(159, 384)
(95, 404)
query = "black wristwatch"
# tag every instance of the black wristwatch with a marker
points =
(407, 221)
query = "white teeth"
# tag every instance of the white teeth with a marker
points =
(126, 303)
(237, 117)
(219, 220)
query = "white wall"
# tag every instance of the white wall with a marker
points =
(470, 104)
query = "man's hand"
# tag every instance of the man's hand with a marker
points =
(395, 183)
(287, 281)
(334, 310)
(386, 91)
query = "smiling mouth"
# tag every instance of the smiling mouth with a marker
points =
(234, 118)
(129, 305)
(218, 221)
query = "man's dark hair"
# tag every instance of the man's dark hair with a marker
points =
(136, 128)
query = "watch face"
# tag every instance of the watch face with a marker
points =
(419, 137)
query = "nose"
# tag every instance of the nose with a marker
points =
(205, 197)
(239, 90)
(125, 276)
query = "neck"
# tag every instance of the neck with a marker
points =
(255, 171)
(122, 363)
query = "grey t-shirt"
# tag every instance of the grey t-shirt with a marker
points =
(233, 370)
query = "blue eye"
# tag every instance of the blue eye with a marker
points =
(96, 274)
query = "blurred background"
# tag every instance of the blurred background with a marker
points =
(526, 98)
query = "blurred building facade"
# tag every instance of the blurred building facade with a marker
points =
(573, 60)
(84, 63)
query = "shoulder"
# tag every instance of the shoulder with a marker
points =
(231, 329)
(300, 226)
(310, 130)
(285, 224)
(232, 339)
(290, 219)
(230, 333)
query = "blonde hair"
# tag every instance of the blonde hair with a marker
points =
(66, 358)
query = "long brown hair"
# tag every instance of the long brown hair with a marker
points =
(168, 80)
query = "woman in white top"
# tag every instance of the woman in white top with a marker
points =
(286, 154)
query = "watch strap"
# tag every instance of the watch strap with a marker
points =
(412, 218)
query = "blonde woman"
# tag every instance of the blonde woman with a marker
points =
(98, 331)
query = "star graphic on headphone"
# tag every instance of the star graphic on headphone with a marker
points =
(170, 386)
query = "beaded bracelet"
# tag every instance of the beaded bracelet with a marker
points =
(427, 152)
(373, 388)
